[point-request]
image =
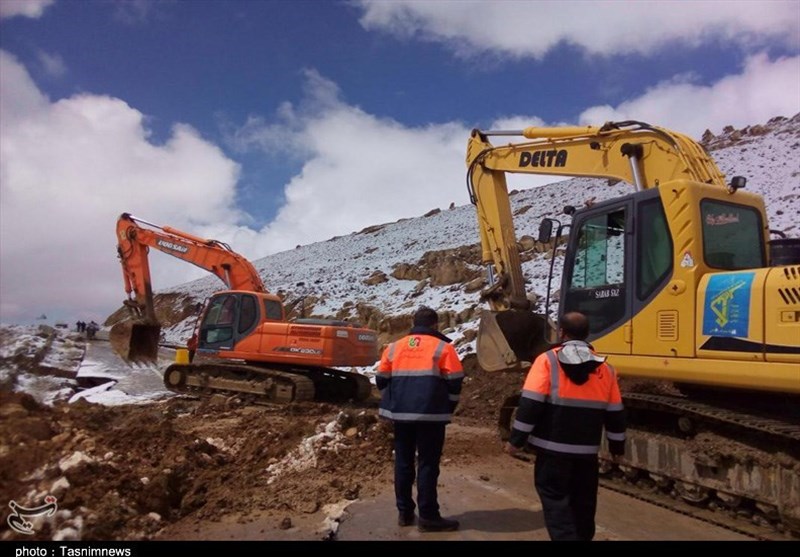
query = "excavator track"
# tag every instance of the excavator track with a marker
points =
(639, 485)
(255, 384)
(333, 385)
(274, 384)
(719, 458)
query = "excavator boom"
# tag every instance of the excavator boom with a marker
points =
(643, 155)
(138, 340)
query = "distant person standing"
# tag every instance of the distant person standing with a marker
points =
(91, 329)
(419, 377)
(569, 396)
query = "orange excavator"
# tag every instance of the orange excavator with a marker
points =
(244, 343)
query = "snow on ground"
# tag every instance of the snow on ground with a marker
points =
(328, 438)
(52, 364)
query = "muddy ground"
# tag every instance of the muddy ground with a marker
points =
(129, 472)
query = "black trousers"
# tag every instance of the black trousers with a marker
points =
(567, 487)
(423, 440)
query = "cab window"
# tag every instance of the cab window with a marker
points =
(218, 322)
(596, 285)
(273, 310)
(732, 236)
(654, 248)
(247, 313)
(600, 259)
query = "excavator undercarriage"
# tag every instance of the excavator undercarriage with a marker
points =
(268, 383)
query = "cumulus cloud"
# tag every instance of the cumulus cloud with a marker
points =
(69, 168)
(25, 8)
(359, 169)
(606, 27)
(763, 90)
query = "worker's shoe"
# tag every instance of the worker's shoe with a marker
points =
(405, 519)
(437, 524)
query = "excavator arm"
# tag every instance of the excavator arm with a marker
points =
(640, 154)
(135, 237)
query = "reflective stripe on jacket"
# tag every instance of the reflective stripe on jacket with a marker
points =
(558, 415)
(419, 378)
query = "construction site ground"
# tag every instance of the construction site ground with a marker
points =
(213, 468)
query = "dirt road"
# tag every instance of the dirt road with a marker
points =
(490, 493)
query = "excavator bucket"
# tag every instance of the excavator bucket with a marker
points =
(510, 340)
(135, 342)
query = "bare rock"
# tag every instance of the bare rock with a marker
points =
(376, 277)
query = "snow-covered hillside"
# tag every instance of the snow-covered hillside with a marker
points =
(336, 273)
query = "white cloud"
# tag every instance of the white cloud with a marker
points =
(134, 12)
(26, 8)
(359, 169)
(763, 90)
(53, 64)
(532, 28)
(67, 170)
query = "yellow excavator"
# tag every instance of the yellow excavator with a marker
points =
(682, 283)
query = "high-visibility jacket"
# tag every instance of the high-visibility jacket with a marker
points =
(419, 378)
(565, 415)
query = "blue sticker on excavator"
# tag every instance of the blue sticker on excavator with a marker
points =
(726, 312)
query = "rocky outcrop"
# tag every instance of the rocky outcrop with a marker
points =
(442, 268)
(731, 135)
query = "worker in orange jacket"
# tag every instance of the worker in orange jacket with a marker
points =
(570, 395)
(419, 377)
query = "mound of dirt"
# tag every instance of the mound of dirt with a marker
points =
(125, 472)
(484, 392)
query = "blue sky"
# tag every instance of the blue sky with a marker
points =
(269, 124)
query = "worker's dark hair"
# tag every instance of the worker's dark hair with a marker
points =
(575, 325)
(426, 317)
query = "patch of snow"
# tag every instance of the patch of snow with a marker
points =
(87, 394)
(73, 460)
(333, 515)
(328, 438)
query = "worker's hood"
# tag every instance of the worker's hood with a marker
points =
(578, 360)
(419, 330)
